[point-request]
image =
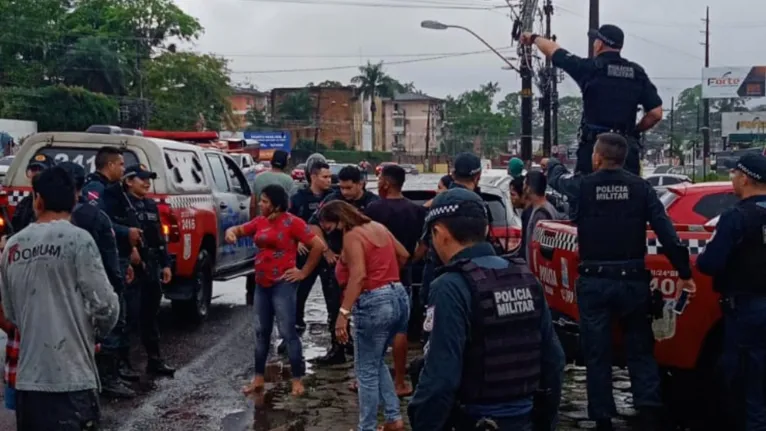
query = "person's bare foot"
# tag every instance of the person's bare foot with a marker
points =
(256, 385)
(298, 388)
(403, 390)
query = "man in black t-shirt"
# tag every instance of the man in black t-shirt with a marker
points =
(405, 220)
(351, 190)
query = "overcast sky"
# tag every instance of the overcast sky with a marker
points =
(263, 38)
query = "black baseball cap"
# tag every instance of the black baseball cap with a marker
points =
(467, 165)
(139, 171)
(41, 161)
(752, 165)
(611, 35)
(279, 159)
(75, 171)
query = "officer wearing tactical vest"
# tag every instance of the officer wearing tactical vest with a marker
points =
(613, 208)
(492, 347)
(735, 258)
(612, 89)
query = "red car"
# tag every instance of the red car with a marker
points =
(299, 173)
(696, 204)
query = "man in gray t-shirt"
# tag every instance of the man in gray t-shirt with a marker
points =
(54, 288)
(535, 185)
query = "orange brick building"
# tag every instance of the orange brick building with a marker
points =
(332, 111)
(243, 100)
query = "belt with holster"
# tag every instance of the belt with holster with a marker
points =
(613, 272)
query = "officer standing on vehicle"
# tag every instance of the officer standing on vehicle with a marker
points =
(735, 258)
(351, 189)
(612, 89)
(614, 206)
(116, 345)
(153, 268)
(492, 348)
(25, 214)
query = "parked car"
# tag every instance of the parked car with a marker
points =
(299, 173)
(5, 163)
(660, 182)
(696, 204)
(200, 192)
(410, 169)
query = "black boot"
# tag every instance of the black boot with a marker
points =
(126, 371)
(604, 425)
(334, 356)
(158, 367)
(111, 384)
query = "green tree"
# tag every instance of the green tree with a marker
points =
(256, 119)
(93, 64)
(184, 86)
(570, 114)
(325, 84)
(470, 117)
(339, 145)
(373, 82)
(296, 107)
(58, 108)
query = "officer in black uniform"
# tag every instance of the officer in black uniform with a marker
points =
(113, 346)
(735, 258)
(492, 348)
(612, 89)
(614, 206)
(153, 270)
(351, 189)
(304, 203)
(24, 213)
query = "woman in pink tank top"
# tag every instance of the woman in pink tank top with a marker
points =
(375, 301)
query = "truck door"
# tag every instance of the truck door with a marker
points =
(241, 192)
(227, 208)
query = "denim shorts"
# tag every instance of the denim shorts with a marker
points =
(10, 398)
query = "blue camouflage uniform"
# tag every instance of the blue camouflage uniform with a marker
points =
(93, 192)
(437, 403)
(735, 258)
(613, 207)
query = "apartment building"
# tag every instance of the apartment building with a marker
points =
(411, 119)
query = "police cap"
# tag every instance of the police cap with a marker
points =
(458, 202)
(611, 35)
(752, 165)
(467, 165)
(41, 161)
(75, 171)
(139, 171)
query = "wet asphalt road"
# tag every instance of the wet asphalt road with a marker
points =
(216, 359)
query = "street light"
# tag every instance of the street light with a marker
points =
(436, 25)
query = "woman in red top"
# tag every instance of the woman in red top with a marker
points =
(277, 234)
(369, 269)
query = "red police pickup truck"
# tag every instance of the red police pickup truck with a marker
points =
(688, 340)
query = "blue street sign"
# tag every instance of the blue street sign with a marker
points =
(277, 140)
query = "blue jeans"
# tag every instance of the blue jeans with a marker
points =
(277, 302)
(744, 359)
(600, 302)
(378, 316)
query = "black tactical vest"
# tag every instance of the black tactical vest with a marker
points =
(502, 357)
(611, 216)
(611, 95)
(745, 270)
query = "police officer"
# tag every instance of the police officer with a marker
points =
(613, 208)
(351, 189)
(612, 89)
(153, 266)
(735, 258)
(304, 203)
(116, 345)
(492, 347)
(25, 214)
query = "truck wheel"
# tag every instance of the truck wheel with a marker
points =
(196, 309)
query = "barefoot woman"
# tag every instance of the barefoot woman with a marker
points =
(277, 234)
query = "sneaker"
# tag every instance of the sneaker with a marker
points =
(116, 389)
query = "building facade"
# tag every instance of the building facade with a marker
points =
(245, 99)
(330, 114)
(412, 123)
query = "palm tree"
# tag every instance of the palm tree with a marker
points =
(372, 82)
(296, 107)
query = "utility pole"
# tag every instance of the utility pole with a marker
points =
(428, 129)
(547, 80)
(706, 102)
(526, 103)
(555, 102)
(672, 127)
(316, 120)
(593, 19)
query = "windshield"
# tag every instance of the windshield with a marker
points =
(668, 198)
(6, 161)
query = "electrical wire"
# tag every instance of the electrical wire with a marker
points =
(389, 4)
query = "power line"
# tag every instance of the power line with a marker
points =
(390, 4)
